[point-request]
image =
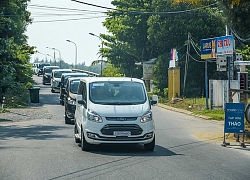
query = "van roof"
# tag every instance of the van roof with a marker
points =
(74, 78)
(97, 79)
(61, 70)
(73, 73)
(51, 67)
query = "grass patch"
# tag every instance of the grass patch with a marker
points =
(213, 114)
(197, 106)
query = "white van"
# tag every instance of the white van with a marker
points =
(114, 110)
(56, 78)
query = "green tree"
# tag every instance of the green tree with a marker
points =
(170, 30)
(15, 69)
(128, 43)
(111, 71)
(236, 13)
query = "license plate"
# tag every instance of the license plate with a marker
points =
(122, 133)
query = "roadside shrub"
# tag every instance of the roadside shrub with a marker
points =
(165, 92)
(17, 95)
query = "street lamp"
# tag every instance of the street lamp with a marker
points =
(44, 55)
(59, 57)
(50, 56)
(92, 34)
(54, 55)
(76, 53)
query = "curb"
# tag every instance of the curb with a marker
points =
(182, 111)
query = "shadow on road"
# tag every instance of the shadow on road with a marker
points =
(35, 132)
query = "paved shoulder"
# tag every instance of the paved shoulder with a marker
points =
(24, 114)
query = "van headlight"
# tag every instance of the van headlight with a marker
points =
(147, 117)
(93, 116)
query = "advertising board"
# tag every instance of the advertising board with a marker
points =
(214, 47)
(234, 118)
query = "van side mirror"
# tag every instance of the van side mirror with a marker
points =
(82, 102)
(154, 100)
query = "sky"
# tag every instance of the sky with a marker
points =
(55, 21)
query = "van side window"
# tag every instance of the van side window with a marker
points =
(84, 92)
(67, 86)
(79, 92)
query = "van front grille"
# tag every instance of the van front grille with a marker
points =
(110, 128)
(121, 118)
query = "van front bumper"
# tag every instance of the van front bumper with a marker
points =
(93, 138)
(137, 134)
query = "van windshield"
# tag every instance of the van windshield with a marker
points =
(73, 75)
(74, 86)
(42, 65)
(117, 93)
(58, 74)
(49, 70)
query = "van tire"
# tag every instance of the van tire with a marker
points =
(84, 145)
(62, 102)
(150, 146)
(67, 120)
(77, 140)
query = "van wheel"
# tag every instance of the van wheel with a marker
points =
(67, 120)
(62, 102)
(77, 140)
(84, 145)
(150, 146)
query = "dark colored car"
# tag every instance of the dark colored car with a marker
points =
(70, 99)
(47, 71)
(40, 67)
(64, 79)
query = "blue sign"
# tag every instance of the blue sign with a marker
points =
(225, 45)
(234, 118)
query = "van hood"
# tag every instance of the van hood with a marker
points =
(72, 96)
(120, 110)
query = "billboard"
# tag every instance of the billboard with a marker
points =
(234, 118)
(213, 47)
(148, 71)
(208, 48)
(225, 45)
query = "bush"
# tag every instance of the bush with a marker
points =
(17, 96)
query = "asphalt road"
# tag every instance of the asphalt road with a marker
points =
(45, 149)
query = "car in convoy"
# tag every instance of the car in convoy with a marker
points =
(47, 72)
(64, 79)
(39, 69)
(56, 78)
(70, 92)
(114, 110)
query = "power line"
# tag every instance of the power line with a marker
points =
(94, 5)
(152, 13)
(35, 6)
(67, 19)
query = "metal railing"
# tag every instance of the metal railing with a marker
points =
(88, 72)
